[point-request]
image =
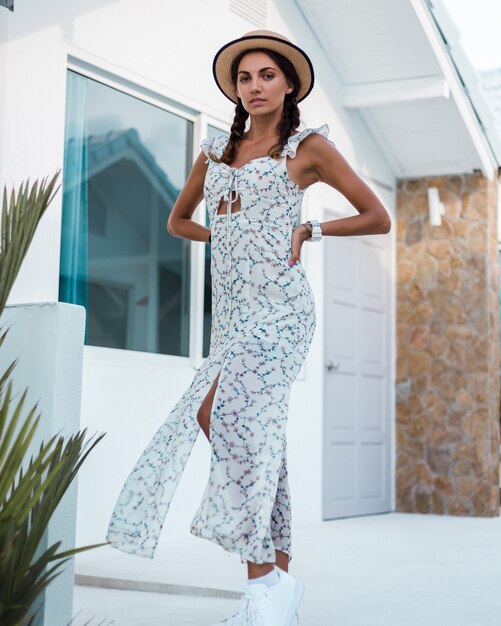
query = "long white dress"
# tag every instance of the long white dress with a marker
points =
(263, 321)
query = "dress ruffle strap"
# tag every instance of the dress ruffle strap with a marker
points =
(290, 147)
(214, 145)
(206, 145)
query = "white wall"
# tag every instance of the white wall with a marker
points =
(167, 47)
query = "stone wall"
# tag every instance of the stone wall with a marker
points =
(448, 349)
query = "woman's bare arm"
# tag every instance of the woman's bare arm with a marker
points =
(328, 165)
(180, 223)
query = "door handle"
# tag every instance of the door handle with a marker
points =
(332, 366)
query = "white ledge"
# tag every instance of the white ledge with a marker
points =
(394, 91)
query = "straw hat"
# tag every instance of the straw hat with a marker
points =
(221, 65)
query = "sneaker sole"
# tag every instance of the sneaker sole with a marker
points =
(298, 595)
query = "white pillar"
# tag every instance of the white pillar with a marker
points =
(48, 339)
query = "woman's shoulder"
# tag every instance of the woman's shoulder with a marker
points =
(292, 144)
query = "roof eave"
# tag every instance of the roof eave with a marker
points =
(488, 160)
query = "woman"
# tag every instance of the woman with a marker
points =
(263, 320)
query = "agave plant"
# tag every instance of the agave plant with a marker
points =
(28, 495)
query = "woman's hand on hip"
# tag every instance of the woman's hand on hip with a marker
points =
(299, 236)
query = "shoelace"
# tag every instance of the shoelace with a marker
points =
(253, 610)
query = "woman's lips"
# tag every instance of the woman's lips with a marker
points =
(257, 101)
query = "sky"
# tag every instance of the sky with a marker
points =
(479, 24)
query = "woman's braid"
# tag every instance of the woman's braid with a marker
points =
(236, 133)
(288, 124)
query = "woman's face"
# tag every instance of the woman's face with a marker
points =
(261, 84)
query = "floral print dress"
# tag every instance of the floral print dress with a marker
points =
(263, 321)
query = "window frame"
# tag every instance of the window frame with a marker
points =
(171, 102)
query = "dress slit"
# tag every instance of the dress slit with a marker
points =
(217, 377)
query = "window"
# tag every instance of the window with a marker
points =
(125, 163)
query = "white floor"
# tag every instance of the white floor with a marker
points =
(385, 570)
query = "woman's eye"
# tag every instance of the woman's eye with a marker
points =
(243, 79)
(268, 75)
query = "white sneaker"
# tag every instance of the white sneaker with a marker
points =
(269, 606)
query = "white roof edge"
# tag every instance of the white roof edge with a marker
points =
(469, 75)
(485, 153)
